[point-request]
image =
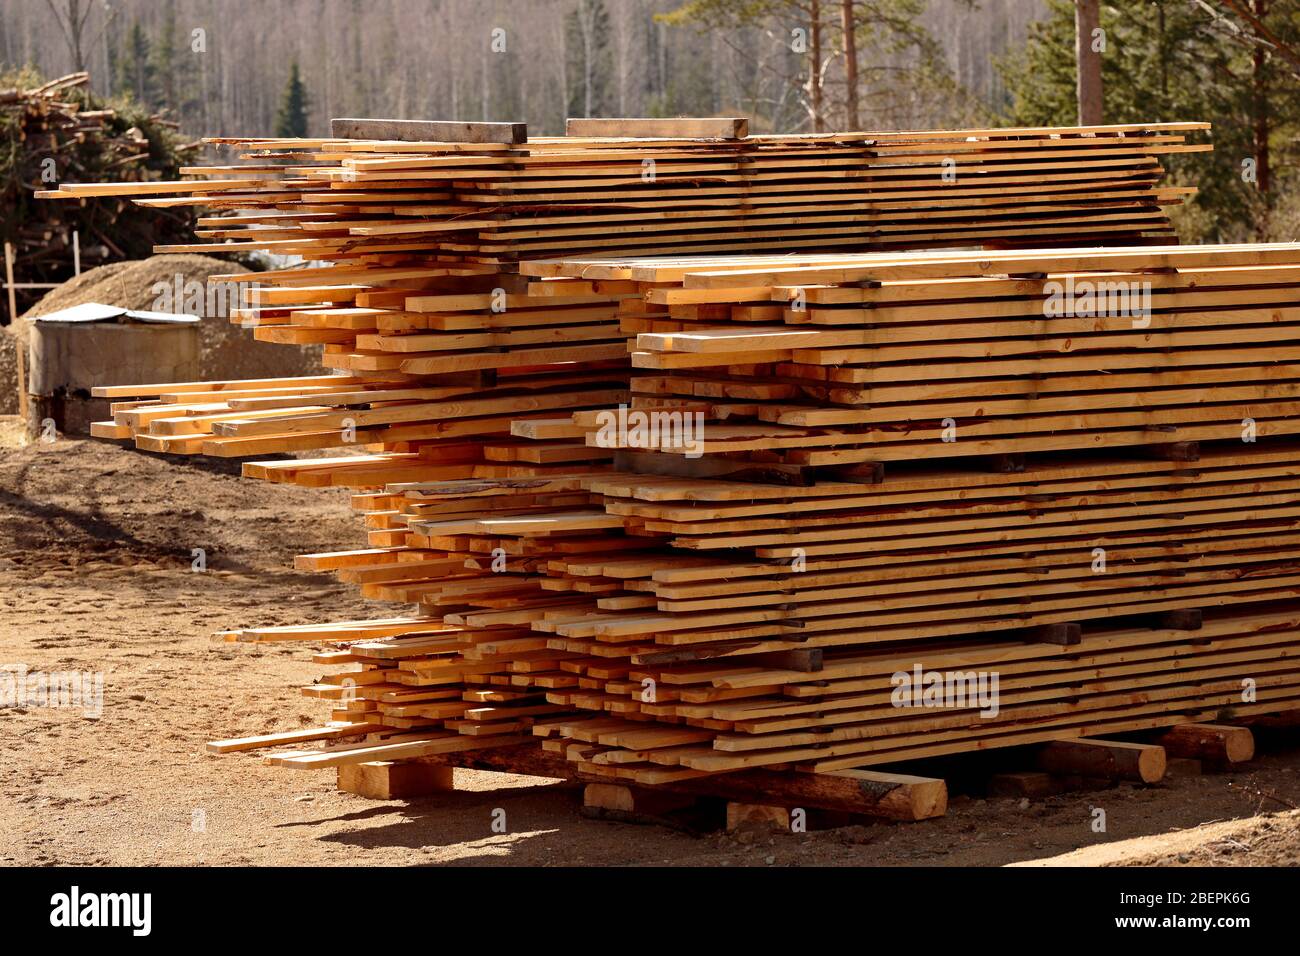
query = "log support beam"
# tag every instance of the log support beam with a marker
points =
(1107, 759)
(1218, 745)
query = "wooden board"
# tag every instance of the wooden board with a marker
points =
(712, 127)
(428, 131)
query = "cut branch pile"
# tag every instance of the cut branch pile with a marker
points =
(56, 131)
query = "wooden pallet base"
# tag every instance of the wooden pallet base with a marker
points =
(755, 799)
(856, 793)
(395, 779)
(833, 799)
(749, 801)
(1081, 765)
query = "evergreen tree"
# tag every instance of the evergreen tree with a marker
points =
(114, 57)
(291, 120)
(1164, 60)
(164, 61)
(138, 75)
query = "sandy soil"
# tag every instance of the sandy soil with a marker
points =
(95, 556)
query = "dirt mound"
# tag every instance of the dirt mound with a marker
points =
(1271, 840)
(226, 350)
(131, 284)
(8, 371)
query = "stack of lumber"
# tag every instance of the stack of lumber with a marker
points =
(351, 200)
(780, 588)
(715, 719)
(442, 428)
(428, 686)
(652, 622)
(645, 661)
(588, 622)
(873, 358)
(836, 190)
(416, 297)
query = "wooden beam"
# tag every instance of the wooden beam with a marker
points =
(394, 780)
(429, 131)
(890, 796)
(704, 127)
(1111, 759)
(640, 801)
(870, 793)
(1282, 720)
(1215, 743)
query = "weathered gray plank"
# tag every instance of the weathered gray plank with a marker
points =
(429, 131)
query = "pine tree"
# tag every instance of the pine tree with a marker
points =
(163, 56)
(1166, 60)
(138, 75)
(291, 120)
(114, 58)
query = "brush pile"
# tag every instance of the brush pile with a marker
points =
(57, 131)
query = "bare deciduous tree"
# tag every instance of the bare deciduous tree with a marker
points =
(72, 17)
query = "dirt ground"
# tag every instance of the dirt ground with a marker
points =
(95, 575)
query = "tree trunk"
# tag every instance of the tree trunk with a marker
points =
(848, 24)
(586, 18)
(815, 68)
(76, 23)
(1261, 125)
(1087, 18)
(1164, 53)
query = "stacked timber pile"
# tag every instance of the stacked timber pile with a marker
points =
(420, 242)
(929, 355)
(685, 616)
(659, 625)
(775, 620)
(348, 200)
